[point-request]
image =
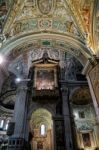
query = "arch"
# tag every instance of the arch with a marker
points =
(63, 41)
(40, 116)
(41, 119)
(34, 107)
(80, 96)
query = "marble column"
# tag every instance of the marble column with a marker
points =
(18, 138)
(67, 121)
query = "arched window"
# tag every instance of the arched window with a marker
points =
(6, 125)
(1, 123)
(42, 130)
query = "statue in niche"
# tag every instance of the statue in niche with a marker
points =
(45, 6)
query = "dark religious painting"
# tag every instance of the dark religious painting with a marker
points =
(86, 139)
(45, 79)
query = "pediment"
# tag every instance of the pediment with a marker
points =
(45, 62)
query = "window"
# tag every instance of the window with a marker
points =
(1, 123)
(42, 130)
(6, 125)
(81, 114)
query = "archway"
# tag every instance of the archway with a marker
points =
(41, 128)
(62, 41)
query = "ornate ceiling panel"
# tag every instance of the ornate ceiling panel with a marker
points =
(70, 17)
(5, 6)
(34, 17)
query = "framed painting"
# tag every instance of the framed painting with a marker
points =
(45, 78)
(86, 139)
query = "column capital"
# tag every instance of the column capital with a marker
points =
(22, 86)
(64, 88)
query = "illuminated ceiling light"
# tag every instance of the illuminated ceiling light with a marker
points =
(1, 59)
(18, 80)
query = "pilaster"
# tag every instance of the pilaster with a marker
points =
(59, 140)
(67, 119)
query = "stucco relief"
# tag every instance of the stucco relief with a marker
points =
(45, 6)
(45, 23)
(34, 17)
(54, 54)
(46, 45)
(42, 24)
(4, 8)
(36, 54)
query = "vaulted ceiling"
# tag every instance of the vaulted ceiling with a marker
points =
(73, 21)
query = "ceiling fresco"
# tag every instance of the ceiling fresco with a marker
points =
(34, 17)
(70, 17)
(5, 6)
